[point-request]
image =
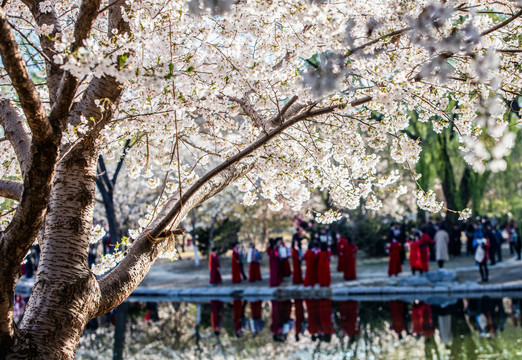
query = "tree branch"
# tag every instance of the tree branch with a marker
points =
(53, 71)
(69, 83)
(17, 70)
(502, 24)
(16, 132)
(11, 189)
(122, 280)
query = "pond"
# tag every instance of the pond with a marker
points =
(478, 328)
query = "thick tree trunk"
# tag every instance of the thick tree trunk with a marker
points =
(65, 291)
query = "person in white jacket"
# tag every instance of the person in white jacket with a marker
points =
(441, 245)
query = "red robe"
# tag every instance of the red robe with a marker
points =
(213, 266)
(397, 316)
(236, 270)
(349, 268)
(324, 269)
(215, 314)
(342, 246)
(314, 318)
(424, 243)
(348, 317)
(273, 260)
(415, 255)
(255, 309)
(311, 268)
(416, 319)
(395, 266)
(276, 325)
(237, 307)
(325, 314)
(297, 277)
(299, 315)
(254, 270)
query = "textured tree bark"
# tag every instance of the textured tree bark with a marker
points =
(65, 291)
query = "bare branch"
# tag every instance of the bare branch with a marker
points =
(11, 189)
(24, 86)
(16, 132)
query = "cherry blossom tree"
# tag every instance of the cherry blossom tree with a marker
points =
(278, 97)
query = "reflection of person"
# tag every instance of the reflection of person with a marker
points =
(299, 318)
(394, 265)
(237, 307)
(215, 315)
(348, 317)
(397, 317)
(256, 321)
(236, 267)
(253, 258)
(213, 265)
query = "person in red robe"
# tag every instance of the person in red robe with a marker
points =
(415, 255)
(425, 242)
(416, 318)
(324, 266)
(215, 315)
(273, 262)
(237, 308)
(236, 268)
(342, 246)
(395, 265)
(213, 266)
(253, 258)
(350, 272)
(284, 255)
(297, 274)
(310, 258)
(397, 317)
(348, 317)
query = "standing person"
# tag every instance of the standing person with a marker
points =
(492, 241)
(394, 265)
(342, 247)
(481, 257)
(324, 266)
(253, 258)
(236, 267)
(425, 244)
(297, 274)
(430, 229)
(513, 238)
(415, 253)
(350, 272)
(284, 255)
(242, 260)
(273, 261)
(311, 265)
(297, 238)
(500, 241)
(213, 265)
(441, 245)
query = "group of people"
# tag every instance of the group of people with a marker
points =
(435, 241)
(316, 258)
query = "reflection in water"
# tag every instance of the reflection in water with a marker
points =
(311, 329)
